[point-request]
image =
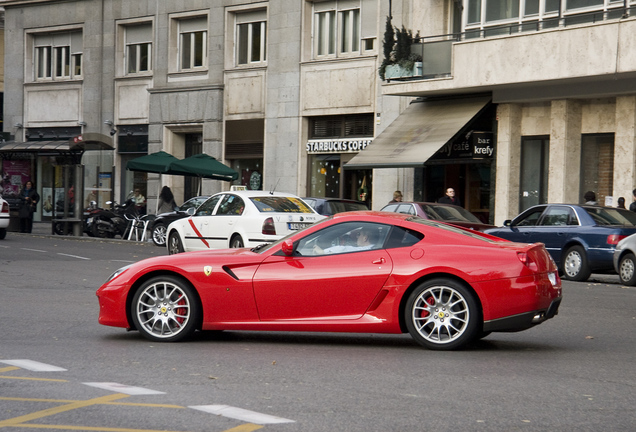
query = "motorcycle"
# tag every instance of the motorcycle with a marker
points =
(108, 223)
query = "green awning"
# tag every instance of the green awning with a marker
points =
(203, 165)
(154, 162)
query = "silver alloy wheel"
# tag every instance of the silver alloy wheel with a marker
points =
(163, 309)
(626, 269)
(573, 263)
(440, 314)
(174, 244)
(159, 235)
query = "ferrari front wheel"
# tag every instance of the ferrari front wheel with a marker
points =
(442, 314)
(166, 309)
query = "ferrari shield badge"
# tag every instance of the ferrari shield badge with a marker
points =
(207, 270)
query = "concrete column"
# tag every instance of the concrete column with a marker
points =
(508, 162)
(565, 152)
(625, 149)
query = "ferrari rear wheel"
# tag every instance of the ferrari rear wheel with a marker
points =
(627, 269)
(442, 314)
(575, 265)
(166, 309)
(174, 244)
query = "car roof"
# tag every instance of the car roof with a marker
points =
(333, 199)
(258, 193)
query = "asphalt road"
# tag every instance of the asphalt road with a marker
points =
(61, 370)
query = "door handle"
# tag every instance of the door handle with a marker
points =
(379, 261)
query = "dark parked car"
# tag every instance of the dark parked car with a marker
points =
(447, 213)
(161, 222)
(581, 238)
(331, 206)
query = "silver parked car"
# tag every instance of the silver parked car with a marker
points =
(625, 260)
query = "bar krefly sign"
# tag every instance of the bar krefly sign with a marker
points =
(337, 145)
(474, 145)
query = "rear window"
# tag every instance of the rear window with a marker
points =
(467, 232)
(277, 204)
(611, 216)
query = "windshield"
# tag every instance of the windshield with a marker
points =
(278, 204)
(611, 216)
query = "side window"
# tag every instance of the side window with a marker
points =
(207, 208)
(403, 237)
(344, 238)
(406, 209)
(230, 206)
(391, 208)
(557, 216)
(531, 219)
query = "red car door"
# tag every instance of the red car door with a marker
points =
(320, 287)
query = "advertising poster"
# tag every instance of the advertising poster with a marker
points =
(14, 174)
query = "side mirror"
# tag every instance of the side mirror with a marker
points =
(191, 211)
(507, 222)
(288, 247)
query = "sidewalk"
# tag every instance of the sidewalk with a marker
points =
(45, 228)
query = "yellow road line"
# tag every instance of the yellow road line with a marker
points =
(32, 379)
(248, 427)
(66, 401)
(16, 421)
(87, 428)
(8, 369)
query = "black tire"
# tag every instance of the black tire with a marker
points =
(575, 266)
(98, 230)
(174, 244)
(3, 233)
(159, 234)
(435, 325)
(236, 241)
(627, 269)
(166, 309)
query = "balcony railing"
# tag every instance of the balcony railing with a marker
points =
(436, 51)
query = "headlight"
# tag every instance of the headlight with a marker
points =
(118, 272)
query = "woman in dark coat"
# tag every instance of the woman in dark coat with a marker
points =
(29, 199)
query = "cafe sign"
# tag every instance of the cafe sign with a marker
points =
(341, 145)
(474, 145)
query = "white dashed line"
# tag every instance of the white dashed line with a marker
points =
(122, 388)
(33, 366)
(74, 256)
(241, 414)
(32, 250)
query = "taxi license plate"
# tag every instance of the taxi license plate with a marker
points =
(296, 225)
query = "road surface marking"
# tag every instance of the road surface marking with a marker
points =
(18, 421)
(241, 414)
(33, 365)
(66, 401)
(8, 369)
(74, 256)
(122, 388)
(32, 250)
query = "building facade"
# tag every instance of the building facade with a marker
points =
(284, 92)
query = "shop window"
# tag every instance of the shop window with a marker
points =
(58, 56)
(534, 172)
(138, 47)
(597, 166)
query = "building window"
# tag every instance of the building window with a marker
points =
(251, 37)
(597, 166)
(58, 56)
(192, 43)
(138, 48)
(336, 26)
(349, 126)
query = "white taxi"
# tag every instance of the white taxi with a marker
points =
(4, 218)
(240, 219)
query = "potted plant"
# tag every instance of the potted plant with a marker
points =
(398, 60)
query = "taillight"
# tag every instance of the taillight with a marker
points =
(5, 207)
(268, 226)
(613, 239)
(525, 259)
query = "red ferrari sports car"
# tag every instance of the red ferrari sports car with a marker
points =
(364, 272)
